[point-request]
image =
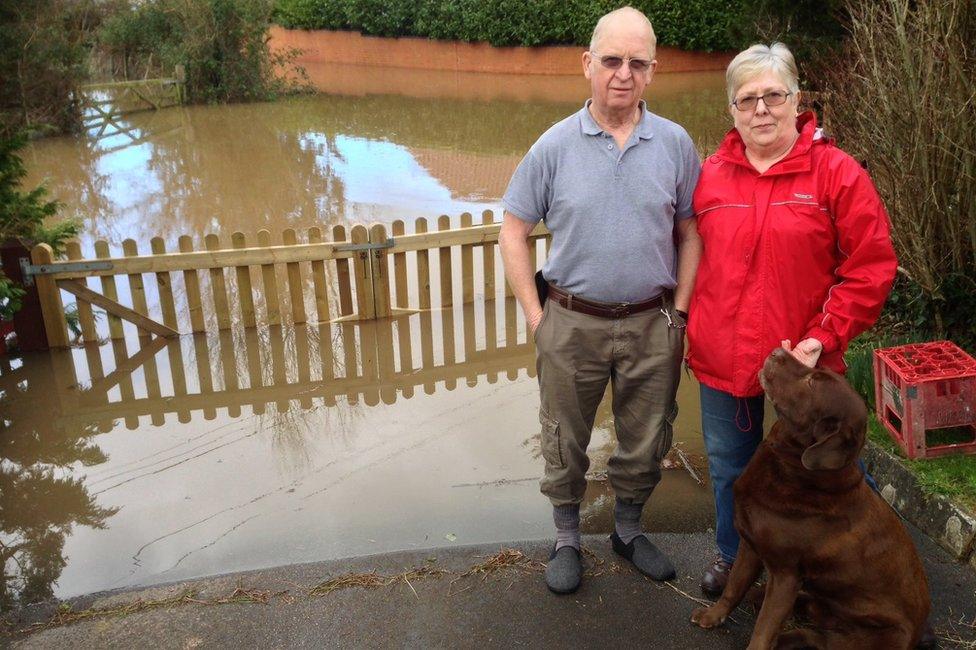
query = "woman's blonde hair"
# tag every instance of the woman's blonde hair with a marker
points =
(758, 59)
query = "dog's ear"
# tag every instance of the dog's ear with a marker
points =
(834, 448)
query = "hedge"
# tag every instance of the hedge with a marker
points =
(689, 24)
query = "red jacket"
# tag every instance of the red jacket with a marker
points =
(802, 250)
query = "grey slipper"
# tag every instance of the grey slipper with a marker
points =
(564, 571)
(648, 558)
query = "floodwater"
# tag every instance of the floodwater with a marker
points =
(136, 462)
(384, 145)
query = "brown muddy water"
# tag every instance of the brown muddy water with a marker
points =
(131, 463)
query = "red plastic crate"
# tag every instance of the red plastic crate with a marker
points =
(923, 387)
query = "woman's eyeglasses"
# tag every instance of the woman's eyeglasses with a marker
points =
(614, 62)
(749, 102)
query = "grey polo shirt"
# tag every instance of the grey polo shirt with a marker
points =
(611, 212)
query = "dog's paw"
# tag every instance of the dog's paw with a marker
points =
(707, 617)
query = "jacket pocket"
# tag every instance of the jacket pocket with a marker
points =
(552, 449)
(805, 225)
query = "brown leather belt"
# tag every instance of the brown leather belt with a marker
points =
(601, 309)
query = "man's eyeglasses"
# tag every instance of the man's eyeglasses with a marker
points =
(772, 98)
(614, 62)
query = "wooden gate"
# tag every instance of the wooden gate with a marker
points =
(102, 104)
(360, 276)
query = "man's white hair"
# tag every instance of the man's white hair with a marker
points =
(758, 59)
(616, 15)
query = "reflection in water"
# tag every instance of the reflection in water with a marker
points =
(247, 448)
(270, 369)
(360, 154)
(282, 375)
(40, 504)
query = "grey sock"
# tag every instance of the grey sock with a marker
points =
(626, 517)
(567, 520)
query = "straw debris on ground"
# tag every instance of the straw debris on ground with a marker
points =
(241, 594)
(596, 567)
(66, 615)
(954, 634)
(695, 464)
(373, 580)
(506, 558)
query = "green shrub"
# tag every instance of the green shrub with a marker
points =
(220, 43)
(690, 24)
(812, 29)
(23, 216)
(381, 18)
(311, 14)
(41, 55)
(702, 25)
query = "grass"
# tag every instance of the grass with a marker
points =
(953, 477)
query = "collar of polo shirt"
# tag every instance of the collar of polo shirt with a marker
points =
(643, 129)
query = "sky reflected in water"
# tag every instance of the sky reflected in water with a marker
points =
(366, 156)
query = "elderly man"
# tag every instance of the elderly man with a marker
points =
(614, 185)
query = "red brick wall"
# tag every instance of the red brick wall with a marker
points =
(322, 46)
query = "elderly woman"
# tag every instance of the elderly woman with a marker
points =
(796, 253)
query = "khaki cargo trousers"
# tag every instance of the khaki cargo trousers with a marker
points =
(576, 356)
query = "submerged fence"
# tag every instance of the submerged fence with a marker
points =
(273, 370)
(362, 274)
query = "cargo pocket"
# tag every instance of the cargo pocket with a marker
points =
(552, 450)
(667, 433)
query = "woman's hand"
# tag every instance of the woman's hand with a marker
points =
(806, 351)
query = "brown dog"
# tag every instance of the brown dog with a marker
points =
(805, 513)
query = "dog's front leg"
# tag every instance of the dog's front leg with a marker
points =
(781, 591)
(745, 570)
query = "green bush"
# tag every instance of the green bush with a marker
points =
(41, 55)
(23, 216)
(812, 29)
(381, 18)
(299, 13)
(220, 43)
(689, 24)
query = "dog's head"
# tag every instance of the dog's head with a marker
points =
(825, 417)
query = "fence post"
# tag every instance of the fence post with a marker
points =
(361, 267)
(50, 298)
(28, 322)
(180, 74)
(379, 263)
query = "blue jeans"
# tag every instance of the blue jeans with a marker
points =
(733, 428)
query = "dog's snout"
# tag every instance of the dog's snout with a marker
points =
(778, 353)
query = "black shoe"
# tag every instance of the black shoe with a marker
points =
(715, 578)
(564, 570)
(648, 558)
